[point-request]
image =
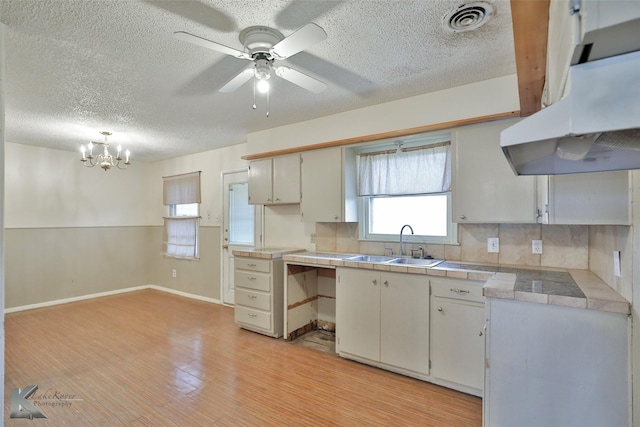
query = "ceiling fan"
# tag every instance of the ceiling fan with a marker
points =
(263, 46)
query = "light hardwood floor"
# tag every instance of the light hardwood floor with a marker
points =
(149, 358)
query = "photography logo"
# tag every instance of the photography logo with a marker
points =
(21, 407)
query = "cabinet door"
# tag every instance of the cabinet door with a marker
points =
(404, 321)
(322, 185)
(260, 178)
(457, 352)
(286, 179)
(358, 313)
(590, 198)
(485, 189)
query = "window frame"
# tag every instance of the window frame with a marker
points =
(171, 214)
(364, 214)
(364, 218)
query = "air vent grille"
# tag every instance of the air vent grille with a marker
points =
(468, 17)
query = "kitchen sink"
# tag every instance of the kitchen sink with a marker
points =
(421, 262)
(370, 258)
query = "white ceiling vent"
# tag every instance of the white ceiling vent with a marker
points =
(468, 17)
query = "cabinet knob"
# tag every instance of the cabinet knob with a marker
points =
(375, 282)
(480, 334)
(277, 199)
(439, 308)
(463, 217)
(336, 218)
(386, 283)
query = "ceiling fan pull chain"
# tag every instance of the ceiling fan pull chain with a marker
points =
(254, 94)
(268, 103)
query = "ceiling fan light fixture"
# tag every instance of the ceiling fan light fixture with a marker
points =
(262, 86)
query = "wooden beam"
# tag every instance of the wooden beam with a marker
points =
(530, 27)
(383, 135)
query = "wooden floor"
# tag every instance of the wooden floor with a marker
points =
(149, 358)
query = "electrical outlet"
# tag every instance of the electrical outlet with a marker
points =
(493, 245)
(174, 273)
(313, 237)
(536, 247)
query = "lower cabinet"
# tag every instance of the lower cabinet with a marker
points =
(383, 319)
(259, 295)
(457, 334)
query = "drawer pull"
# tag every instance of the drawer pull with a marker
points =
(459, 291)
(251, 277)
(251, 265)
(252, 296)
(253, 315)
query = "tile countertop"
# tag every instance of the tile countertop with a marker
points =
(265, 253)
(556, 286)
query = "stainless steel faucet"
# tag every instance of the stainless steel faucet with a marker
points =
(402, 244)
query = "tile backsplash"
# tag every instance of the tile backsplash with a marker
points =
(564, 246)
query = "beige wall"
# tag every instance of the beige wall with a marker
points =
(197, 277)
(50, 264)
(74, 231)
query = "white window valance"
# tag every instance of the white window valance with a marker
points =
(181, 189)
(420, 170)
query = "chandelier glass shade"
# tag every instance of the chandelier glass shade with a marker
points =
(105, 159)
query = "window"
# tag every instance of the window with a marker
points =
(181, 194)
(406, 186)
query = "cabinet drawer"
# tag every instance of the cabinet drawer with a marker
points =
(251, 299)
(257, 281)
(458, 289)
(252, 264)
(248, 316)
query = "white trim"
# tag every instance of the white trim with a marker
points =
(108, 293)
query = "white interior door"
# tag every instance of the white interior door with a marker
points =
(242, 226)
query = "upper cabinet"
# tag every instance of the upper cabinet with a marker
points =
(602, 198)
(328, 186)
(275, 180)
(485, 189)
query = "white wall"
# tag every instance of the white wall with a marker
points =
(51, 188)
(488, 97)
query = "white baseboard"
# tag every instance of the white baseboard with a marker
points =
(104, 294)
(184, 294)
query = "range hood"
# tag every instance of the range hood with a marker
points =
(596, 127)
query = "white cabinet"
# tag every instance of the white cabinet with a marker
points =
(328, 186)
(383, 319)
(259, 295)
(275, 180)
(457, 334)
(602, 198)
(485, 189)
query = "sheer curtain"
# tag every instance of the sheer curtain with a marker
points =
(180, 238)
(421, 170)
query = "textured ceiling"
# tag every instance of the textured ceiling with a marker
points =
(75, 68)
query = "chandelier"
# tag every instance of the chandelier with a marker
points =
(105, 159)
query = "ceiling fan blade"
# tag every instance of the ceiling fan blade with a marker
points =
(300, 79)
(197, 40)
(244, 76)
(303, 38)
